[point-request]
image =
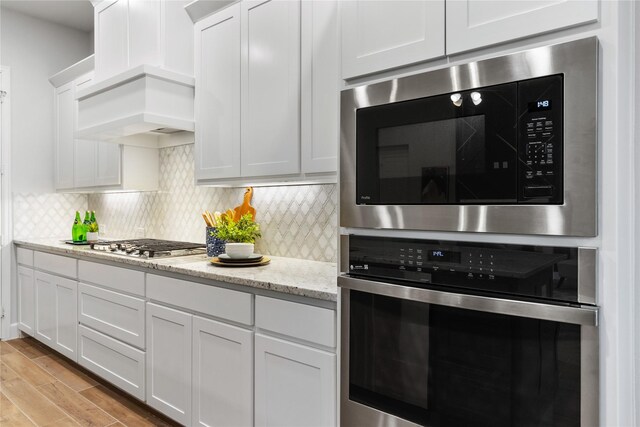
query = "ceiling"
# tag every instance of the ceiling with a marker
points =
(76, 14)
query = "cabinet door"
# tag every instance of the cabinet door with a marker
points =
(475, 23)
(217, 95)
(66, 316)
(270, 88)
(84, 164)
(26, 300)
(379, 35)
(169, 362)
(108, 163)
(45, 315)
(111, 34)
(295, 385)
(145, 19)
(222, 374)
(64, 138)
(320, 106)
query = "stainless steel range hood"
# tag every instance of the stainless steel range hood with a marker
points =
(144, 99)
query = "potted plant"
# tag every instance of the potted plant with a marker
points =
(240, 235)
(92, 232)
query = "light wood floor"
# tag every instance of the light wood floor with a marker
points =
(42, 388)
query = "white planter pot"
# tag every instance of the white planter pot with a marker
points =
(239, 250)
(92, 236)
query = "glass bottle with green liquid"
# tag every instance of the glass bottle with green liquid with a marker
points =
(78, 231)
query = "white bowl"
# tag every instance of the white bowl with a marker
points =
(239, 250)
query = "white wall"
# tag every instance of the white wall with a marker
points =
(34, 50)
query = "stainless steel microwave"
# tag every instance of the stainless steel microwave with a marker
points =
(502, 145)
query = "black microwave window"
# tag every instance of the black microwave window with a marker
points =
(494, 145)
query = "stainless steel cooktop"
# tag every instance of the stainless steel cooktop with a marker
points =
(149, 248)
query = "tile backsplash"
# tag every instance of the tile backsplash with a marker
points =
(46, 215)
(296, 221)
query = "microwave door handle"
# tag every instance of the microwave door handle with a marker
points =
(583, 315)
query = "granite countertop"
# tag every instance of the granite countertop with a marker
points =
(313, 279)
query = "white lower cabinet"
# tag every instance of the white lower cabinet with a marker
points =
(56, 321)
(169, 362)
(26, 301)
(295, 385)
(118, 363)
(222, 374)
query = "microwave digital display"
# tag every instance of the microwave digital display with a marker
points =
(541, 105)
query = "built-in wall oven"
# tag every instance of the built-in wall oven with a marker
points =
(443, 333)
(503, 145)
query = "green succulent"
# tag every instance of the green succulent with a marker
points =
(245, 230)
(92, 227)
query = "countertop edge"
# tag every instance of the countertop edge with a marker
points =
(166, 265)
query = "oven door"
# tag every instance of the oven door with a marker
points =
(421, 357)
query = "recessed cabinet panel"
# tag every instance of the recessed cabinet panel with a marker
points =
(320, 86)
(222, 374)
(66, 303)
(45, 319)
(85, 163)
(217, 106)
(380, 35)
(169, 362)
(108, 161)
(65, 136)
(271, 88)
(111, 32)
(295, 385)
(26, 300)
(476, 23)
(144, 32)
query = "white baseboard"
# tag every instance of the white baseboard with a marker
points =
(14, 332)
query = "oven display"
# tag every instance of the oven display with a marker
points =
(443, 256)
(541, 105)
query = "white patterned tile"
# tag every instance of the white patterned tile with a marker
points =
(296, 221)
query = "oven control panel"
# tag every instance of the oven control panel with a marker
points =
(540, 140)
(547, 272)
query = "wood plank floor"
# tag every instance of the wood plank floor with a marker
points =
(39, 387)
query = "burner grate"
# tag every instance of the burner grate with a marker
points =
(149, 248)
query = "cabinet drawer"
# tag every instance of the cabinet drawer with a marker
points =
(55, 264)
(218, 302)
(115, 314)
(305, 322)
(118, 363)
(24, 256)
(120, 279)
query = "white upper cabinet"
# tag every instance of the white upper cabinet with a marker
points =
(267, 88)
(320, 86)
(271, 88)
(111, 32)
(380, 35)
(129, 33)
(476, 23)
(89, 165)
(64, 139)
(217, 105)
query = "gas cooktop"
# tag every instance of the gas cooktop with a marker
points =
(149, 248)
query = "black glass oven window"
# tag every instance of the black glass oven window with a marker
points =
(441, 366)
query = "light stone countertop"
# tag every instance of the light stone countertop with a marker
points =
(313, 279)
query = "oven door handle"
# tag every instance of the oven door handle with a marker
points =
(580, 315)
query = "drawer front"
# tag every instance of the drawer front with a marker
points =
(112, 313)
(24, 256)
(120, 279)
(56, 264)
(305, 322)
(118, 363)
(211, 300)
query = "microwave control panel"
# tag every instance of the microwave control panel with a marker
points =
(540, 140)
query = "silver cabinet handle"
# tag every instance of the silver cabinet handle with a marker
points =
(582, 315)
